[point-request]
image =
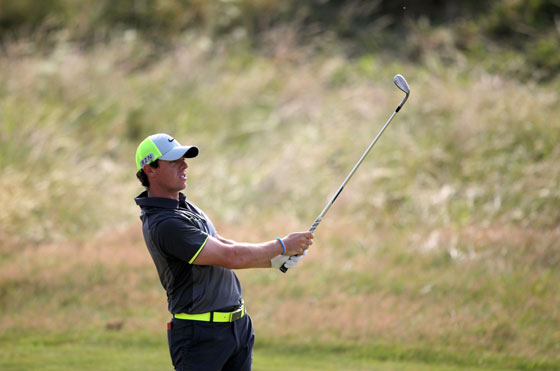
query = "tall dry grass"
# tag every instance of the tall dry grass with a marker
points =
(446, 237)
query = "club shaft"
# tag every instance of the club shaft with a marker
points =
(339, 191)
(317, 221)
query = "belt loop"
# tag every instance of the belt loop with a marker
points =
(211, 316)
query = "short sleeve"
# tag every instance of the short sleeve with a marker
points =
(180, 239)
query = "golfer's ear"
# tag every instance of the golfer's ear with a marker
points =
(149, 170)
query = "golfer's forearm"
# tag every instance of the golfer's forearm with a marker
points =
(244, 255)
(239, 255)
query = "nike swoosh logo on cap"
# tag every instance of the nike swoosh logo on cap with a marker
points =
(170, 140)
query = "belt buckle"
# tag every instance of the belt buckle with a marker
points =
(236, 315)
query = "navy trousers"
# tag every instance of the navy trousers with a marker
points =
(211, 346)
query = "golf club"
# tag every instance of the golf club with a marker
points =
(401, 83)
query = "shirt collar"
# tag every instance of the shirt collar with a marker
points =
(143, 200)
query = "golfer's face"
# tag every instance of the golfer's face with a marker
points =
(173, 174)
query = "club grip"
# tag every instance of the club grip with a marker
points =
(315, 224)
(283, 268)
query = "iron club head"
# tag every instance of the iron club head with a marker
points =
(401, 83)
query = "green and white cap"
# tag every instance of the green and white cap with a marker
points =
(162, 146)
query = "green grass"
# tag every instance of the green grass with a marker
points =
(138, 349)
(84, 350)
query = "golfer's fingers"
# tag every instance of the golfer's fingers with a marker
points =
(304, 243)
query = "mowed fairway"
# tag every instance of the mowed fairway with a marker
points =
(141, 351)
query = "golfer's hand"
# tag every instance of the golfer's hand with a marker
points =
(278, 261)
(290, 261)
(297, 243)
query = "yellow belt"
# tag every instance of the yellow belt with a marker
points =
(214, 316)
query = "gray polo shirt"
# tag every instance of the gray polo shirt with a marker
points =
(175, 232)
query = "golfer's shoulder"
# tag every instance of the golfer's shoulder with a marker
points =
(167, 220)
(173, 222)
(162, 218)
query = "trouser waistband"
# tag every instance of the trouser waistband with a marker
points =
(214, 316)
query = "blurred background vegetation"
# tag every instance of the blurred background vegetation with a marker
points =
(410, 29)
(96, 68)
(462, 193)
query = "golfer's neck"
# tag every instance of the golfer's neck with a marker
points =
(155, 192)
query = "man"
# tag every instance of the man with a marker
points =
(210, 328)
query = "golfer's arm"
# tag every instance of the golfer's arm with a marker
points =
(225, 240)
(237, 255)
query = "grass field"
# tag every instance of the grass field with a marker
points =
(441, 254)
(138, 349)
(101, 307)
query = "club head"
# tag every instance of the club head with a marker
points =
(401, 83)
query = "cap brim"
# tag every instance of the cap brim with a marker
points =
(181, 151)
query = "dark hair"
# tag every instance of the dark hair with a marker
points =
(143, 178)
